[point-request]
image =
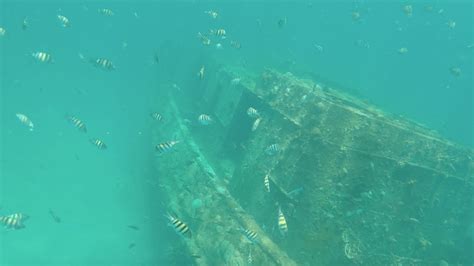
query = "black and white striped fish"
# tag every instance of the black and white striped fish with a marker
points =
(179, 226)
(266, 182)
(42, 57)
(25, 121)
(204, 119)
(14, 221)
(156, 116)
(98, 143)
(165, 146)
(219, 32)
(282, 225)
(64, 21)
(104, 63)
(77, 123)
(272, 149)
(251, 236)
(252, 112)
(106, 12)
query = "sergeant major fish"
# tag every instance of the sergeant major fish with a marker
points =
(180, 227)
(25, 121)
(282, 225)
(106, 12)
(103, 63)
(205, 120)
(256, 123)
(266, 182)
(14, 221)
(165, 146)
(272, 149)
(252, 112)
(42, 57)
(64, 21)
(77, 123)
(251, 236)
(157, 116)
(98, 143)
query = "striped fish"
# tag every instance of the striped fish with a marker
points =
(256, 123)
(165, 146)
(252, 112)
(106, 12)
(266, 182)
(282, 225)
(180, 227)
(156, 116)
(14, 221)
(104, 63)
(272, 149)
(77, 123)
(98, 143)
(42, 57)
(251, 236)
(25, 121)
(205, 120)
(219, 32)
(64, 21)
(249, 257)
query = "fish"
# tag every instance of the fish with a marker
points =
(455, 71)
(133, 227)
(165, 146)
(3, 31)
(251, 236)
(282, 22)
(25, 121)
(179, 226)
(106, 12)
(256, 123)
(266, 182)
(282, 225)
(219, 33)
(13, 221)
(408, 10)
(204, 119)
(54, 216)
(77, 123)
(355, 15)
(98, 143)
(42, 57)
(212, 14)
(403, 50)
(451, 24)
(201, 73)
(235, 44)
(25, 25)
(156, 116)
(272, 149)
(204, 39)
(252, 112)
(64, 21)
(103, 63)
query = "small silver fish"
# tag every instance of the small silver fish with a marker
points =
(205, 120)
(25, 121)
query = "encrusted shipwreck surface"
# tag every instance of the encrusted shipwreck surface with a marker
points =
(356, 185)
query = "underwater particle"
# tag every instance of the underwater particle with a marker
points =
(103, 63)
(221, 190)
(408, 10)
(204, 39)
(219, 46)
(42, 57)
(3, 31)
(455, 71)
(25, 24)
(165, 146)
(252, 112)
(282, 225)
(98, 143)
(355, 15)
(25, 121)
(402, 50)
(443, 263)
(64, 21)
(106, 12)
(77, 123)
(213, 14)
(272, 149)
(282, 22)
(451, 24)
(156, 58)
(266, 182)
(14, 221)
(156, 116)
(179, 226)
(205, 120)
(200, 73)
(196, 204)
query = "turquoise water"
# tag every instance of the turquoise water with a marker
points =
(54, 170)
